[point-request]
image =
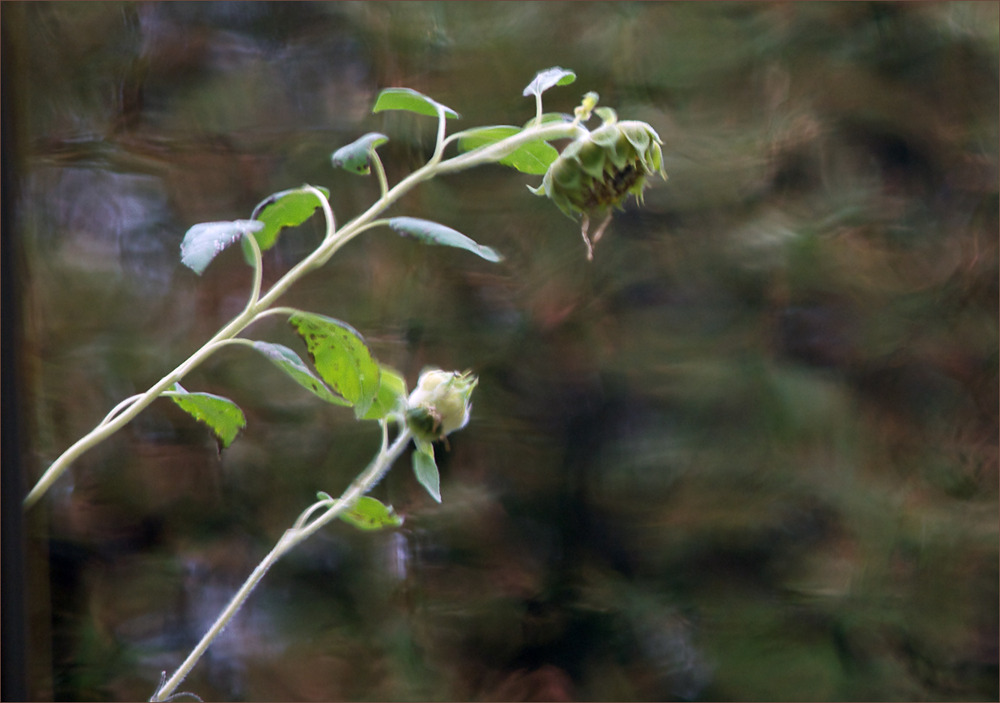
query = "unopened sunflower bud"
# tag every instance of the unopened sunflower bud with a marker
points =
(597, 172)
(439, 404)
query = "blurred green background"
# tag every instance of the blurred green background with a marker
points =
(748, 453)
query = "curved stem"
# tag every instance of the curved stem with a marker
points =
(383, 182)
(367, 480)
(124, 412)
(355, 231)
(118, 408)
(304, 516)
(237, 341)
(496, 151)
(331, 221)
(258, 271)
(115, 422)
(258, 306)
(439, 142)
(332, 242)
(291, 538)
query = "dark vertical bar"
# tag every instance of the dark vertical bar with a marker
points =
(13, 656)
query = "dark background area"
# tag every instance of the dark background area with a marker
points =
(748, 453)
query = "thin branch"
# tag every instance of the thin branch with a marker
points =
(291, 538)
(332, 242)
(383, 182)
(118, 408)
(258, 271)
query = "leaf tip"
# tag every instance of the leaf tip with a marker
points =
(548, 78)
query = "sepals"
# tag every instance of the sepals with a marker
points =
(440, 404)
(596, 172)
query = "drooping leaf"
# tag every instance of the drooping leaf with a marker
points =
(356, 156)
(341, 357)
(205, 241)
(434, 233)
(390, 397)
(370, 514)
(533, 158)
(289, 208)
(425, 469)
(290, 362)
(411, 101)
(549, 78)
(222, 415)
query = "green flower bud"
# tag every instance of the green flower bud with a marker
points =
(597, 172)
(439, 404)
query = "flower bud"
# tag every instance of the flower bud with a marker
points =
(595, 173)
(439, 404)
(598, 171)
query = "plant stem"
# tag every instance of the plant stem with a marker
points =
(112, 423)
(291, 538)
(258, 304)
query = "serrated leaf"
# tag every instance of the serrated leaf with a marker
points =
(289, 208)
(549, 78)
(370, 514)
(356, 156)
(434, 233)
(222, 415)
(205, 241)
(533, 158)
(341, 358)
(391, 395)
(290, 362)
(426, 470)
(411, 101)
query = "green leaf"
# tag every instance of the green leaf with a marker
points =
(391, 395)
(549, 78)
(205, 241)
(425, 469)
(370, 514)
(484, 136)
(290, 362)
(289, 208)
(412, 101)
(548, 118)
(222, 415)
(356, 156)
(434, 233)
(607, 114)
(341, 357)
(533, 158)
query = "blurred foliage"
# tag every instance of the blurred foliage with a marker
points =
(750, 452)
